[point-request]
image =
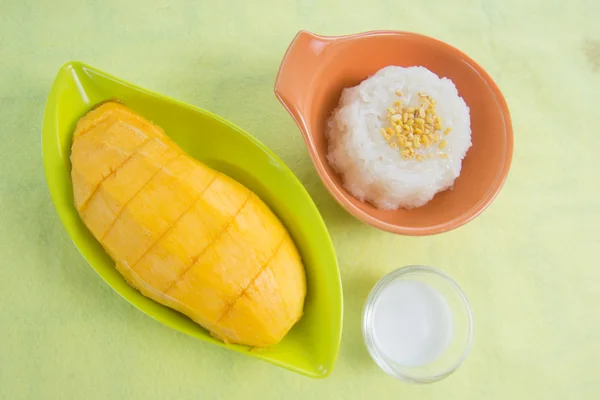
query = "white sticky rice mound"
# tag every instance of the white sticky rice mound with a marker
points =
(373, 171)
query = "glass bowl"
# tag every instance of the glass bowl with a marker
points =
(459, 343)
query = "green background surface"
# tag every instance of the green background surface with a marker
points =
(529, 264)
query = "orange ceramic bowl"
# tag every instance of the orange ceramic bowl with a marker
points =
(309, 84)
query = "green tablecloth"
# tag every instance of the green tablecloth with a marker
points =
(529, 264)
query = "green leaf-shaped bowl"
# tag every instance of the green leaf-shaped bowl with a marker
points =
(311, 347)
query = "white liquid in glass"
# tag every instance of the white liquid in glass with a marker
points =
(412, 323)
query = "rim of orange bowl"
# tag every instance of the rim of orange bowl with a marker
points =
(341, 196)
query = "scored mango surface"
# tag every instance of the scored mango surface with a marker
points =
(183, 234)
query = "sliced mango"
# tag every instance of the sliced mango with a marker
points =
(183, 234)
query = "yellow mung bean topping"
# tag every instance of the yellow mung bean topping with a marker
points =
(416, 129)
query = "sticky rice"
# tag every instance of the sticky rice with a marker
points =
(379, 167)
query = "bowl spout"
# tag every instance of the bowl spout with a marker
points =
(294, 80)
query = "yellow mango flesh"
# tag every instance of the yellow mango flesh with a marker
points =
(183, 234)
